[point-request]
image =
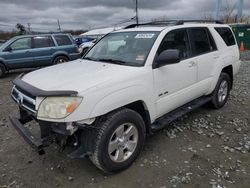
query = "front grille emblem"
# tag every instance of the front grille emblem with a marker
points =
(19, 99)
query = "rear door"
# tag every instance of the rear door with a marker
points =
(44, 48)
(20, 54)
(207, 55)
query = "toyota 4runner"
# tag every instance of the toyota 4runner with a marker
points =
(129, 84)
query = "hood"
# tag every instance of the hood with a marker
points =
(79, 75)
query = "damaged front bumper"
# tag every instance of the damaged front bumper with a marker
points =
(81, 139)
(34, 142)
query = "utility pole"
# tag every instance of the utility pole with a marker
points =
(136, 12)
(59, 26)
(29, 28)
(240, 10)
(218, 9)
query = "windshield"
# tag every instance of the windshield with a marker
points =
(127, 48)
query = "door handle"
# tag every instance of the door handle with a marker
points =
(191, 64)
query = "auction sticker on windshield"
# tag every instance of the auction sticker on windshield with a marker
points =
(145, 36)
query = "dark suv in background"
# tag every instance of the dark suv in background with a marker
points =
(30, 51)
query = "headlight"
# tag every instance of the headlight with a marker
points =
(58, 107)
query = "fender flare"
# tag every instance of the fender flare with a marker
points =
(118, 99)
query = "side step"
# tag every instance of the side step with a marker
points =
(179, 112)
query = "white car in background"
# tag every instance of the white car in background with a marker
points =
(96, 34)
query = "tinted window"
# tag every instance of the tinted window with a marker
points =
(21, 44)
(62, 40)
(213, 46)
(227, 35)
(42, 42)
(201, 42)
(177, 39)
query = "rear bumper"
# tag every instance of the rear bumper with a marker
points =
(34, 142)
(236, 67)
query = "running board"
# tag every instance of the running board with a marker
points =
(179, 112)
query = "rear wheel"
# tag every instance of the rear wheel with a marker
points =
(2, 70)
(221, 92)
(60, 59)
(119, 140)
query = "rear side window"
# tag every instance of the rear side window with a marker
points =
(43, 42)
(62, 40)
(227, 35)
(202, 41)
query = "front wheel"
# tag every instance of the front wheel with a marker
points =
(119, 140)
(221, 92)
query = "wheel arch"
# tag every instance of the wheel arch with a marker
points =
(229, 70)
(220, 69)
(64, 54)
(141, 108)
(5, 66)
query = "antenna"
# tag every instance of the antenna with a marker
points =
(136, 12)
(59, 26)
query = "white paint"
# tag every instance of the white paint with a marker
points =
(106, 87)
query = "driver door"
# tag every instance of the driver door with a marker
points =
(175, 83)
(20, 54)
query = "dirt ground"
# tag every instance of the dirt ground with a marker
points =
(205, 149)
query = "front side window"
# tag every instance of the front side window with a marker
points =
(21, 44)
(128, 48)
(43, 42)
(176, 40)
(62, 40)
(200, 39)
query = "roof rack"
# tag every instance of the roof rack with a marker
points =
(200, 21)
(172, 22)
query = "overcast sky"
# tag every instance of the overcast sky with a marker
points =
(85, 14)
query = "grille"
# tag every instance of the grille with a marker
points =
(24, 99)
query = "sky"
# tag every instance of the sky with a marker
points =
(89, 14)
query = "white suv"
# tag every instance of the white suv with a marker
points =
(130, 83)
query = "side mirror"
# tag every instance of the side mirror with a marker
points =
(8, 49)
(166, 57)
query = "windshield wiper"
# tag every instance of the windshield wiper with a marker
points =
(115, 61)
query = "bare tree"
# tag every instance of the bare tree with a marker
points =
(21, 29)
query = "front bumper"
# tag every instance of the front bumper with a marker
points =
(81, 140)
(34, 142)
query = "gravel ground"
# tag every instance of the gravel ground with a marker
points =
(208, 148)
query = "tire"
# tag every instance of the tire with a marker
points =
(113, 150)
(2, 70)
(60, 59)
(221, 92)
